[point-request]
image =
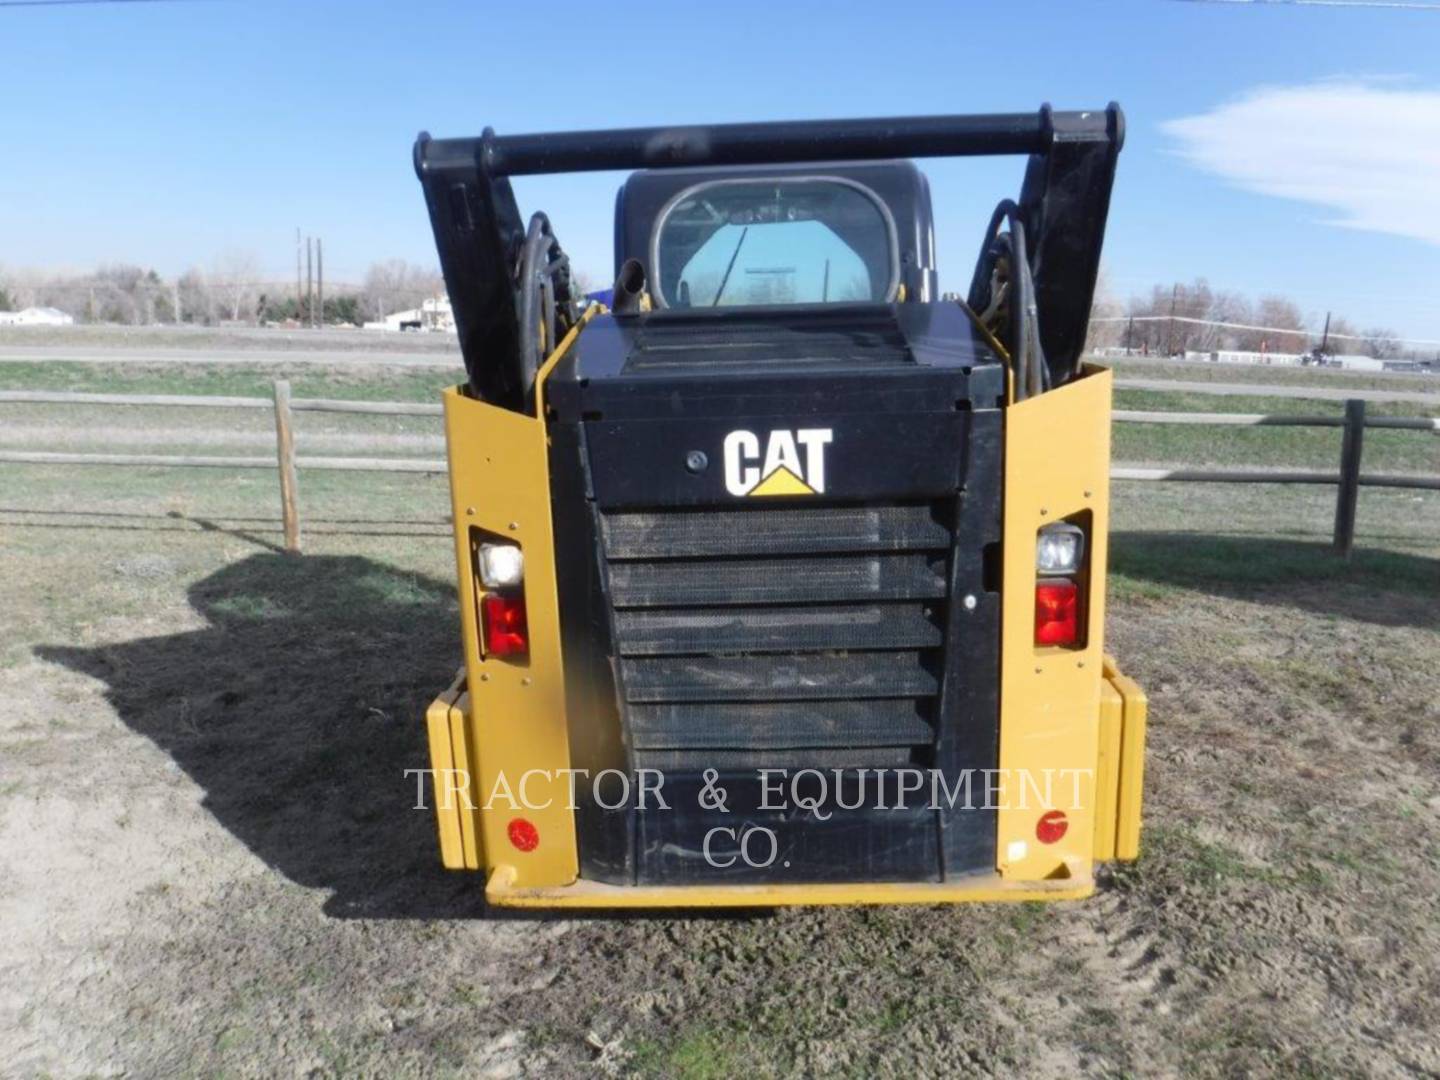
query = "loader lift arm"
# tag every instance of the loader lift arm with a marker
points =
(494, 274)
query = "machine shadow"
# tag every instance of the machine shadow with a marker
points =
(297, 710)
(1387, 588)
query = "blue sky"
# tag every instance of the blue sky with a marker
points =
(1271, 147)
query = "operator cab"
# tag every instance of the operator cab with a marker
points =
(812, 280)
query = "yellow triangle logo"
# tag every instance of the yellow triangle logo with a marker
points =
(782, 482)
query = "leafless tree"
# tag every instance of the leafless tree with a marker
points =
(121, 294)
(1381, 344)
(1105, 305)
(1226, 307)
(395, 285)
(1179, 301)
(1284, 315)
(582, 282)
(235, 279)
(197, 299)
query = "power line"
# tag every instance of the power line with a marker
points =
(78, 3)
(278, 284)
(1398, 5)
(1191, 320)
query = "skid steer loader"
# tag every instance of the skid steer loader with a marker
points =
(781, 575)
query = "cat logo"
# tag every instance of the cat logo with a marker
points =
(780, 471)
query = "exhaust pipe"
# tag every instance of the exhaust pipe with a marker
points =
(629, 288)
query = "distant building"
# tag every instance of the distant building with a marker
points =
(1267, 359)
(1355, 363)
(1213, 356)
(36, 316)
(432, 314)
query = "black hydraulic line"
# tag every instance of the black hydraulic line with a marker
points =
(1000, 247)
(1029, 324)
(1025, 347)
(1022, 314)
(543, 269)
(538, 240)
(981, 279)
(547, 310)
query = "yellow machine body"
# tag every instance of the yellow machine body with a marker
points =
(1072, 728)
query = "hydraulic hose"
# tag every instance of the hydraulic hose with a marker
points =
(1031, 375)
(544, 285)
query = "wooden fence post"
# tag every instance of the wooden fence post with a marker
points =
(1349, 491)
(285, 452)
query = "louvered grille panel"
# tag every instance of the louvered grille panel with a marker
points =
(781, 635)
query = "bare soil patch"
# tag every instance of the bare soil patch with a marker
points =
(209, 862)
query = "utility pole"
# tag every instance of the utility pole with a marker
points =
(320, 283)
(1130, 335)
(1325, 334)
(299, 290)
(308, 319)
(1174, 292)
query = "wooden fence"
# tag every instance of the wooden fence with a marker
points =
(1348, 479)
(286, 462)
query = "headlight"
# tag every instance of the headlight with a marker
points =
(501, 565)
(1058, 549)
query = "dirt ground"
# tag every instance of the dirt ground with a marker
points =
(210, 864)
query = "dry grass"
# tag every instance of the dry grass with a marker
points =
(209, 864)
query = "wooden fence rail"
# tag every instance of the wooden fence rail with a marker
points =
(1272, 476)
(344, 464)
(1403, 423)
(1308, 393)
(286, 462)
(1348, 480)
(197, 401)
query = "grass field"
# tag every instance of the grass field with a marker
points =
(360, 381)
(1270, 447)
(210, 864)
(1140, 444)
(163, 339)
(1202, 371)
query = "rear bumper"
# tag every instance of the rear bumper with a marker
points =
(1120, 772)
(987, 888)
(456, 817)
(1118, 792)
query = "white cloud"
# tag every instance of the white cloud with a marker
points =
(1368, 151)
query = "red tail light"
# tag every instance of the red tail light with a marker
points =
(1057, 612)
(1052, 827)
(523, 834)
(504, 621)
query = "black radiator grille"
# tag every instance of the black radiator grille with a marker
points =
(857, 339)
(779, 636)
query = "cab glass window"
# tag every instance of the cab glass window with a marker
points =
(802, 241)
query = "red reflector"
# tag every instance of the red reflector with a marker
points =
(1051, 826)
(504, 619)
(1056, 613)
(523, 834)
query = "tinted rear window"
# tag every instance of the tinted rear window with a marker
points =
(783, 241)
